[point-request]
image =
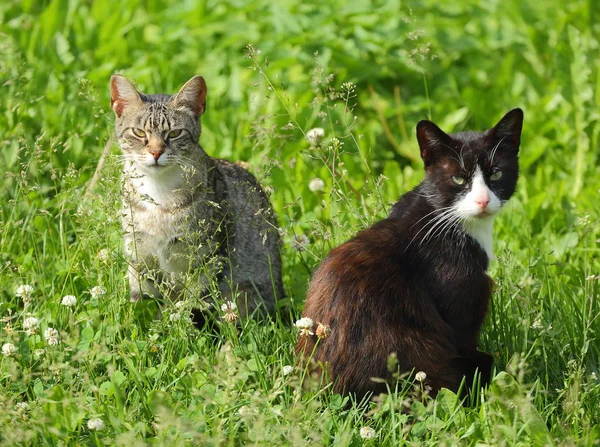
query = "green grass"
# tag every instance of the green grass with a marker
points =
(158, 381)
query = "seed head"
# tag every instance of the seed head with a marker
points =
(421, 376)
(323, 330)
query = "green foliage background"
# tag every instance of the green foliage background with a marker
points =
(462, 64)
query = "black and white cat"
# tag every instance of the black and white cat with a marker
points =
(415, 283)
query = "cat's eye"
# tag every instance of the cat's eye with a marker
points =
(138, 132)
(458, 179)
(175, 133)
(496, 175)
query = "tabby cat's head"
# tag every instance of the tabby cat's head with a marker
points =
(157, 131)
(472, 174)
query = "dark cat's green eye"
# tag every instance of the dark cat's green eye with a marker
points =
(138, 132)
(175, 133)
(458, 180)
(496, 175)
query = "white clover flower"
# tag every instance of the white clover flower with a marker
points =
(24, 291)
(31, 325)
(39, 352)
(68, 301)
(175, 316)
(421, 376)
(228, 306)
(95, 424)
(52, 337)
(22, 406)
(367, 433)
(179, 305)
(104, 255)
(305, 325)
(316, 184)
(97, 291)
(8, 349)
(314, 136)
(287, 370)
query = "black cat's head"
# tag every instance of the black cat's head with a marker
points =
(472, 174)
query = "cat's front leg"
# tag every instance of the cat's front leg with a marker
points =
(140, 264)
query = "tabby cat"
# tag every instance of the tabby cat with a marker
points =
(415, 283)
(184, 210)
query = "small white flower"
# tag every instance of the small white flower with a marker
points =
(8, 349)
(421, 376)
(68, 301)
(228, 306)
(38, 353)
(305, 325)
(179, 305)
(314, 136)
(104, 255)
(245, 410)
(22, 406)
(367, 433)
(316, 184)
(97, 291)
(287, 370)
(537, 324)
(31, 324)
(24, 292)
(52, 337)
(175, 316)
(95, 424)
(594, 376)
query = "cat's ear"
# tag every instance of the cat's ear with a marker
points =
(192, 95)
(432, 141)
(122, 94)
(509, 128)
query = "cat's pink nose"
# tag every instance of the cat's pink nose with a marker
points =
(482, 201)
(157, 154)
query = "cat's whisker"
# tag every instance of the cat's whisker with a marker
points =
(440, 225)
(434, 222)
(493, 152)
(437, 210)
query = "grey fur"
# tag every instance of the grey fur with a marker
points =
(184, 211)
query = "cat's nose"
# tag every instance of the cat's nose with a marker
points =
(156, 148)
(482, 201)
(157, 154)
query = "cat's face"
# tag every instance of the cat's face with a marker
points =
(157, 132)
(471, 174)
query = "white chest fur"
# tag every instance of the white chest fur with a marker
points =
(481, 230)
(152, 226)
